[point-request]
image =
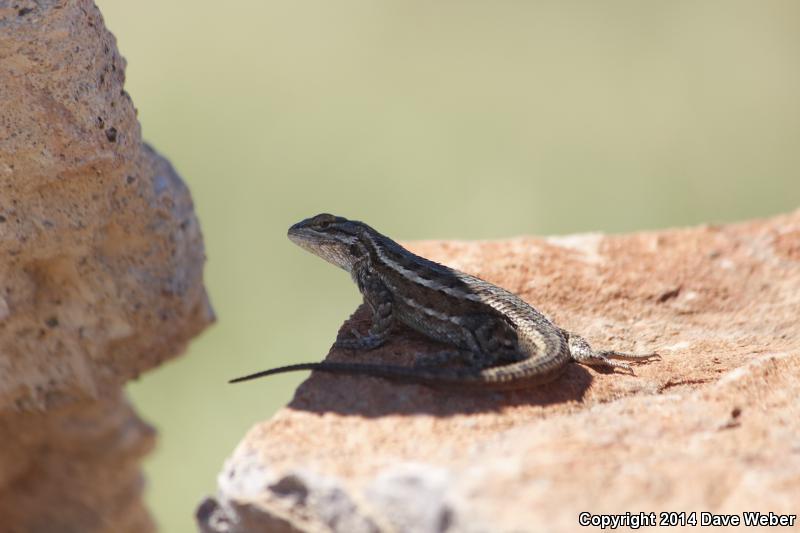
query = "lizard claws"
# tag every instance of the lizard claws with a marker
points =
(359, 341)
(348, 343)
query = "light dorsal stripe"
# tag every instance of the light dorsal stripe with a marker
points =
(407, 299)
(416, 278)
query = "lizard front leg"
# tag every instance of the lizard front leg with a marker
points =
(380, 301)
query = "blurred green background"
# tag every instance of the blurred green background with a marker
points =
(459, 120)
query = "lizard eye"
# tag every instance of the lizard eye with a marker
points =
(325, 224)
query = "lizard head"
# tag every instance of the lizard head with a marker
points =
(335, 239)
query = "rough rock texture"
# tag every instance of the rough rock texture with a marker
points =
(100, 273)
(714, 426)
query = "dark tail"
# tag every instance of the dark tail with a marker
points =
(513, 376)
(393, 372)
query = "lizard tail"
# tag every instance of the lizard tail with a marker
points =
(393, 372)
(505, 377)
(278, 370)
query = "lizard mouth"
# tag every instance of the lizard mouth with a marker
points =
(307, 240)
(329, 249)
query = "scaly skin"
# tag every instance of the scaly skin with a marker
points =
(496, 338)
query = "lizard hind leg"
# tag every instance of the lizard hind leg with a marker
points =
(583, 353)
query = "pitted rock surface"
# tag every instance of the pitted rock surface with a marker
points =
(101, 261)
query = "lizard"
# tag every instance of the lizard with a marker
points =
(494, 338)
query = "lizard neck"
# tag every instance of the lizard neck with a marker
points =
(361, 273)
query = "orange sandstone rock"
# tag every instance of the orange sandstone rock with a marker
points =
(712, 427)
(100, 273)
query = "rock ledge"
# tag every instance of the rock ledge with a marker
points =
(712, 427)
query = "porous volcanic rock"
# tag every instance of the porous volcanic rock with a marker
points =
(100, 273)
(712, 427)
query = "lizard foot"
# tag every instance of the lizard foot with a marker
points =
(359, 341)
(583, 353)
